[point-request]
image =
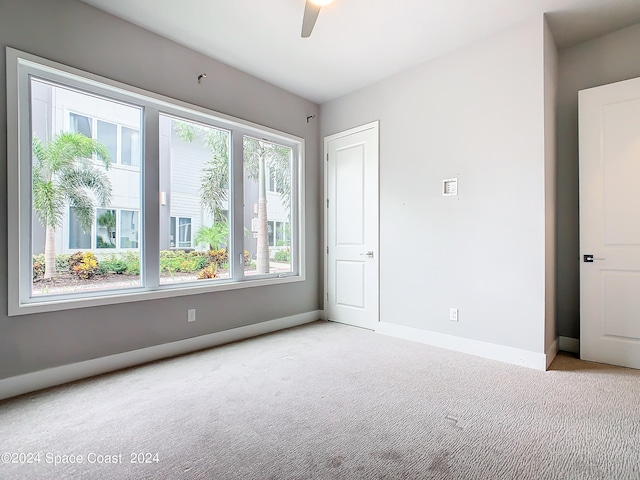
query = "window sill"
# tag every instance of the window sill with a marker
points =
(111, 297)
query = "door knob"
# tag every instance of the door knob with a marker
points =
(368, 254)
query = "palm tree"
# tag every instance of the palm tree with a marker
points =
(64, 174)
(214, 236)
(214, 185)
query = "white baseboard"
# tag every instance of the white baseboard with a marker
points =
(568, 344)
(18, 385)
(492, 351)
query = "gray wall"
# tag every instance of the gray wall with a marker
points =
(477, 113)
(607, 59)
(73, 33)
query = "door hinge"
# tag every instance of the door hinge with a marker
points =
(327, 249)
(327, 157)
(327, 203)
(327, 296)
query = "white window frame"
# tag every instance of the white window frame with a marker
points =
(20, 66)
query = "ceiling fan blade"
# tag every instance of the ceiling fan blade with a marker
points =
(311, 12)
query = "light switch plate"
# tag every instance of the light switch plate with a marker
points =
(449, 187)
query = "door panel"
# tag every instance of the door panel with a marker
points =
(621, 301)
(610, 223)
(352, 227)
(350, 279)
(348, 176)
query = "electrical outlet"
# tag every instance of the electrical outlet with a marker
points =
(453, 314)
(191, 315)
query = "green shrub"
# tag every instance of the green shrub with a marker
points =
(132, 262)
(38, 266)
(282, 256)
(113, 263)
(212, 237)
(62, 262)
(181, 261)
(102, 244)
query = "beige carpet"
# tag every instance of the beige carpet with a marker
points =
(327, 401)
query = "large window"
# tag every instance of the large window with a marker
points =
(203, 202)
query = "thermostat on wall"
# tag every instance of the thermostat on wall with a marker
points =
(449, 186)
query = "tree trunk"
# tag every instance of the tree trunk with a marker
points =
(262, 255)
(50, 252)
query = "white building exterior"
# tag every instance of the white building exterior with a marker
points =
(117, 126)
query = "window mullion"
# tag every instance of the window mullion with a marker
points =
(236, 213)
(150, 214)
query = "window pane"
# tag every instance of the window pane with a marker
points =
(194, 174)
(78, 238)
(108, 136)
(80, 124)
(105, 228)
(130, 152)
(184, 233)
(99, 205)
(271, 231)
(129, 229)
(272, 179)
(172, 232)
(267, 167)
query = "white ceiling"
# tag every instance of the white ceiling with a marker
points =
(355, 42)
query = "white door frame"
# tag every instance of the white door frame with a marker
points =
(376, 126)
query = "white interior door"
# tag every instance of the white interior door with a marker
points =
(351, 181)
(610, 224)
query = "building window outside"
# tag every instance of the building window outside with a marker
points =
(81, 124)
(122, 143)
(180, 232)
(129, 228)
(115, 228)
(107, 134)
(130, 147)
(105, 228)
(78, 238)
